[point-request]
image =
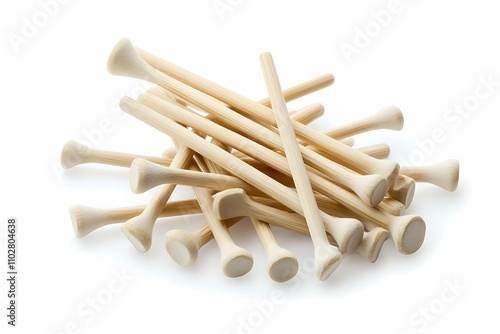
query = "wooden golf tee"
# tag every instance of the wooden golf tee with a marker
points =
(444, 174)
(183, 246)
(282, 265)
(352, 159)
(124, 60)
(74, 153)
(87, 219)
(236, 203)
(389, 117)
(372, 243)
(145, 175)
(235, 261)
(327, 257)
(403, 190)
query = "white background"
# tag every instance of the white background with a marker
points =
(428, 58)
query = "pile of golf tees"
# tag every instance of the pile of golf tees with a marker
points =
(254, 159)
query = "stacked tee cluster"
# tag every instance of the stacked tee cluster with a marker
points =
(245, 158)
